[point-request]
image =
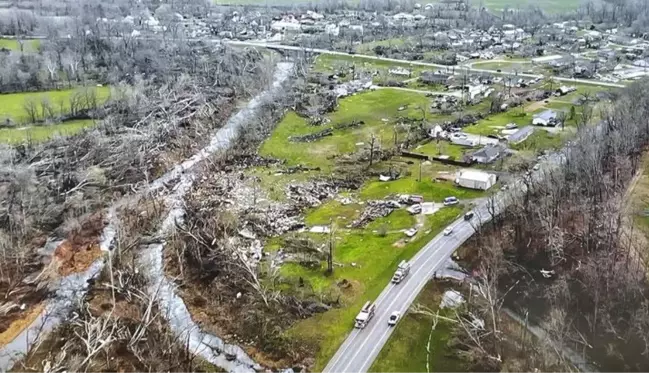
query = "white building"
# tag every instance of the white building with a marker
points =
(474, 179)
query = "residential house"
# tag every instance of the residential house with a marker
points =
(429, 77)
(520, 135)
(487, 154)
(546, 118)
(474, 179)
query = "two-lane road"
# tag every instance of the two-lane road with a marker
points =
(363, 345)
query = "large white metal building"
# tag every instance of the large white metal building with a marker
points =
(474, 179)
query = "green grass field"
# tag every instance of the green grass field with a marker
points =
(371, 107)
(494, 123)
(43, 133)
(406, 350)
(14, 45)
(12, 105)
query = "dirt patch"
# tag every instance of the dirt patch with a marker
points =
(400, 244)
(535, 106)
(81, 249)
(20, 323)
(75, 259)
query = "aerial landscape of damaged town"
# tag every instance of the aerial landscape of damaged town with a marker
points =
(324, 185)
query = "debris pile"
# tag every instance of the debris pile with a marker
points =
(352, 124)
(312, 136)
(311, 194)
(351, 87)
(373, 211)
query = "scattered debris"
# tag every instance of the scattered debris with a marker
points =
(320, 229)
(373, 211)
(451, 299)
(312, 136)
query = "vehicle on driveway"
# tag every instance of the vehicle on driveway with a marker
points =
(468, 216)
(448, 231)
(450, 201)
(394, 317)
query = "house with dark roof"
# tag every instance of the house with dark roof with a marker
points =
(487, 154)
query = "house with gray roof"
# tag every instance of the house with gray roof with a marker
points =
(487, 154)
(520, 135)
(546, 118)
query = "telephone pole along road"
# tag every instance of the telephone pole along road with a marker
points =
(461, 69)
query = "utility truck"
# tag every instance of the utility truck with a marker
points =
(401, 273)
(366, 314)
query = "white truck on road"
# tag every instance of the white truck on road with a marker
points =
(401, 273)
(366, 314)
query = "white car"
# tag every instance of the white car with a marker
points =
(394, 317)
(536, 167)
(450, 201)
(448, 231)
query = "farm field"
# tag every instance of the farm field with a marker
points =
(44, 132)
(13, 104)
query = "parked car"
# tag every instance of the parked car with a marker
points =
(449, 201)
(448, 231)
(536, 167)
(468, 216)
(394, 317)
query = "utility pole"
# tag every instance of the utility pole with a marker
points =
(330, 257)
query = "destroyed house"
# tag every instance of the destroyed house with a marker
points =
(429, 77)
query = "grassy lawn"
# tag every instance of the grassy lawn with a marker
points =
(42, 133)
(434, 149)
(542, 140)
(13, 105)
(327, 63)
(550, 6)
(371, 107)
(405, 351)
(14, 45)
(494, 123)
(431, 190)
(375, 257)
(368, 48)
(503, 66)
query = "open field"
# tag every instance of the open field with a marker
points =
(14, 45)
(44, 132)
(13, 105)
(377, 109)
